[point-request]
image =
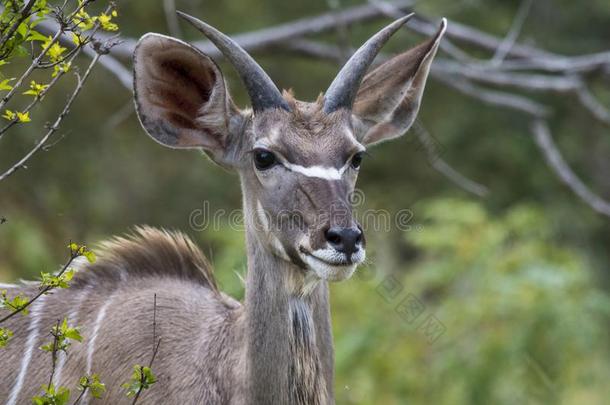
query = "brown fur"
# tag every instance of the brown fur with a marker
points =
(129, 272)
(149, 252)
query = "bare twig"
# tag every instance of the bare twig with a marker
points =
(513, 33)
(433, 153)
(523, 81)
(108, 62)
(154, 339)
(268, 37)
(513, 67)
(341, 30)
(24, 14)
(493, 97)
(50, 85)
(169, 7)
(56, 124)
(463, 85)
(80, 396)
(544, 140)
(390, 10)
(54, 352)
(119, 116)
(36, 62)
(43, 290)
(115, 67)
(597, 110)
(154, 352)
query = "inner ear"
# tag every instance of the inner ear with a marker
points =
(180, 85)
(180, 94)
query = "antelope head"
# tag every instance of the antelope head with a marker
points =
(298, 161)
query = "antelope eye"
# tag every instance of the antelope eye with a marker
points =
(357, 160)
(264, 159)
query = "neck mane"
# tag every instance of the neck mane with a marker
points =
(289, 353)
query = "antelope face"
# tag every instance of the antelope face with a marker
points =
(300, 173)
(298, 162)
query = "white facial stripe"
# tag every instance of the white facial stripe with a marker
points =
(320, 172)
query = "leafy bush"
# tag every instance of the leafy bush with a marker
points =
(519, 318)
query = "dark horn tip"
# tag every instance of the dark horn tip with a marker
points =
(442, 28)
(183, 15)
(343, 89)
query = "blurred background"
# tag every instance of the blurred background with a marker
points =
(498, 291)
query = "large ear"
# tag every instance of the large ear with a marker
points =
(180, 95)
(388, 99)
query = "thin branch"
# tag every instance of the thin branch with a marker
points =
(114, 67)
(523, 81)
(390, 10)
(341, 30)
(54, 352)
(511, 38)
(154, 352)
(119, 116)
(434, 157)
(43, 290)
(29, 70)
(544, 140)
(493, 97)
(154, 339)
(55, 125)
(108, 62)
(268, 37)
(24, 14)
(36, 62)
(80, 396)
(591, 104)
(39, 98)
(169, 8)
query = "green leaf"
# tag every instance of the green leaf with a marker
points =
(36, 36)
(14, 304)
(52, 396)
(141, 378)
(22, 29)
(4, 84)
(90, 256)
(93, 384)
(5, 335)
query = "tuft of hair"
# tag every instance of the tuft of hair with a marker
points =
(147, 252)
(305, 114)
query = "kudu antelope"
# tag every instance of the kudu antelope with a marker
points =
(294, 158)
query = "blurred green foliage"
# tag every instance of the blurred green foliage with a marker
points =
(519, 318)
(519, 280)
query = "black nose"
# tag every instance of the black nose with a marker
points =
(344, 240)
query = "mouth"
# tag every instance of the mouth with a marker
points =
(331, 265)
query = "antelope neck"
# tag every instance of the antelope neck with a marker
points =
(289, 355)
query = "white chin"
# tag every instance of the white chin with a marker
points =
(326, 271)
